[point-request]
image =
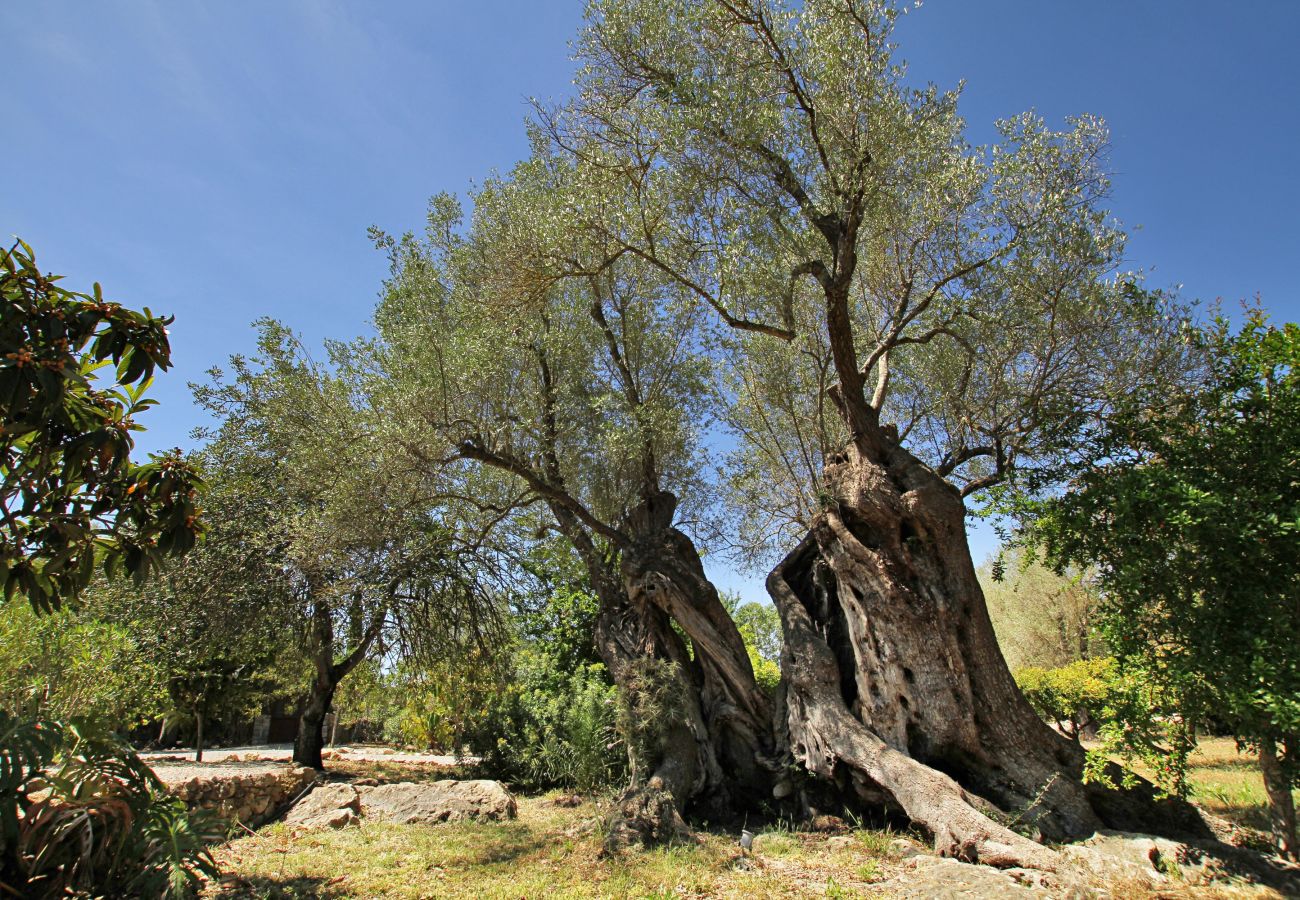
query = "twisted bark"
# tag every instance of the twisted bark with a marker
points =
(717, 755)
(896, 688)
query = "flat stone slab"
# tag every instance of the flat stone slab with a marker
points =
(327, 806)
(439, 801)
(338, 804)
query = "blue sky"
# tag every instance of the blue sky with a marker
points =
(221, 161)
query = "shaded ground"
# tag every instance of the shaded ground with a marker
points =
(553, 851)
(1228, 783)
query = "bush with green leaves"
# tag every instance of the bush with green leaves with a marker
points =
(1189, 506)
(1042, 618)
(72, 496)
(68, 664)
(81, 813)
(760, 628)
(552, 727)
(649, 705)
(448, 702)
(1074, 696)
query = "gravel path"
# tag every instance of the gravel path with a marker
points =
(178, 765)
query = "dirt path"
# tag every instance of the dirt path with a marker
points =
(179, 765)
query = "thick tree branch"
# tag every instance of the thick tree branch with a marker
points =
(473, 450)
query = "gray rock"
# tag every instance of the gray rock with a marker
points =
(441, 801)
(327, 806)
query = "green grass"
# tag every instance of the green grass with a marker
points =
(1228, 783)
(548, 851)
(553, 852)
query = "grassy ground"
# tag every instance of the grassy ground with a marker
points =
(1228, 783)
(553, 851)
(548, 851)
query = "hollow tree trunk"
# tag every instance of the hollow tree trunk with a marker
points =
(1281, 803)
(896, 688)
(310, 742)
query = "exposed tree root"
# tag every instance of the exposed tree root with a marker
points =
(896, 689)
(645, 816)
(827, 738)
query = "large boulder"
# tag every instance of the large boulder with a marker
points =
(327, 806)
(439, 801)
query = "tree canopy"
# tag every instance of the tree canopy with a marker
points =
(358, 554)
(1190, 506)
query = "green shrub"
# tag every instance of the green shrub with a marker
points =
(550, 728)
(65, 664)
(1074, 696)
(649, 702)
(448, 703)
(81, 813)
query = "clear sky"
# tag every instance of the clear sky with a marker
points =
(222, 161)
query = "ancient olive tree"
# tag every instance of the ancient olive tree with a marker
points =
(361, 557)
(550, 368)
(771, 161)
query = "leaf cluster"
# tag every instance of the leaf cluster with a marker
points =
(1189, 505)
(70, 495)
(81, 812)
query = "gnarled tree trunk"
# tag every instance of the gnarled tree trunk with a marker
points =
(896, 688)
(663, 777)
(662, 570)
(718, 756)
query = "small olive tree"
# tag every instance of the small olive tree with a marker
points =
(360, 557)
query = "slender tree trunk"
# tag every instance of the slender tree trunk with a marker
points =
(307, 748)
(1281, 802)
(329, 674)
(897, 691)
(198, 734)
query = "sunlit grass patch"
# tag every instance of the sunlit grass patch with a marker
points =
(1228, 783)
(548, 851)
(554, 852)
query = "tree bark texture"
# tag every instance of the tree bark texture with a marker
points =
(662, 571)
(664, 778)
(717, 753)
(307, 748)
(897, 692)
(1281, 802)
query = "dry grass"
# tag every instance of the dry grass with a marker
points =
(548, 851)
(554, 852)
(1228, 783)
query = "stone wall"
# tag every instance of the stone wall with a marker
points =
(250, 798)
